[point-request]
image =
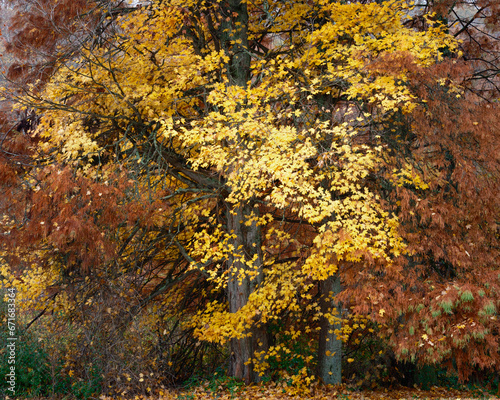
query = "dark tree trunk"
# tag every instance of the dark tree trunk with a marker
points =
(248, 240)
(233, 35)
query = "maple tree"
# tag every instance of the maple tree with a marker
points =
(246, 163)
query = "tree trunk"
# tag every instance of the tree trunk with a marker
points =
(330, 348)
(234, 40)
(233, 35)
(248, 240)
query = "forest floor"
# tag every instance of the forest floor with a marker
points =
(279, 392)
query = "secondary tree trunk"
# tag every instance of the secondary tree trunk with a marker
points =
(329, 347)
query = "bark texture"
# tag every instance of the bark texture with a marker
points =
(240, 286)
(234, 40)
(329, 347)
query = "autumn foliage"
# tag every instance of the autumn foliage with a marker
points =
(261, 185)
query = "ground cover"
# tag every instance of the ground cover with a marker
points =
(280, 391)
